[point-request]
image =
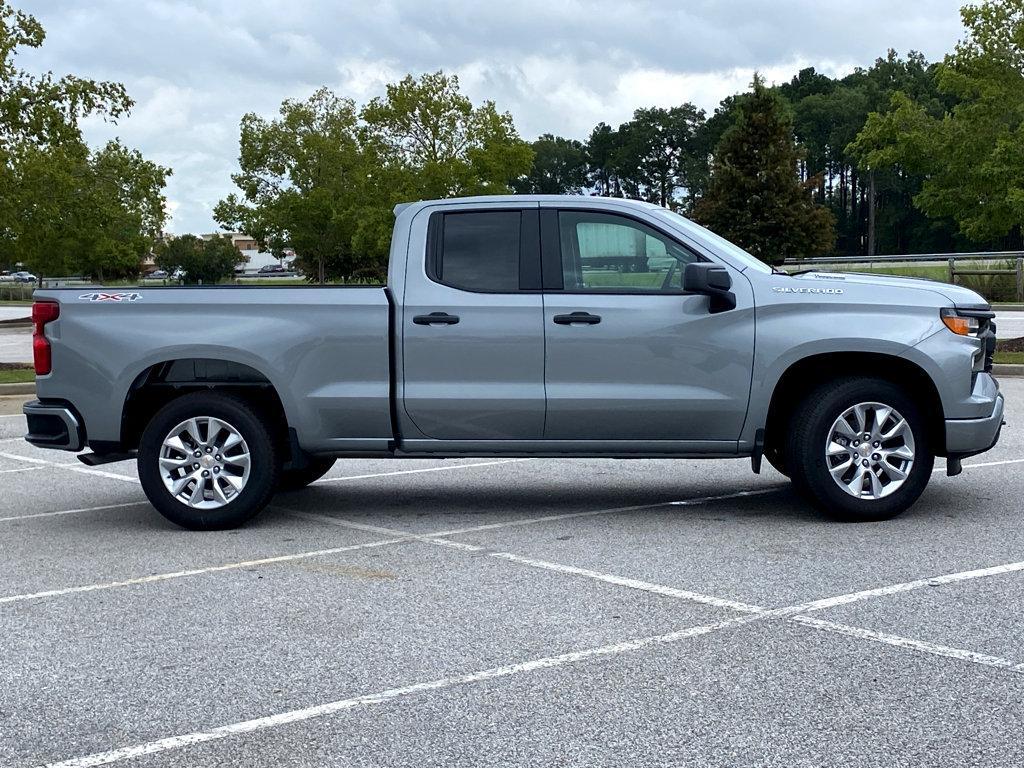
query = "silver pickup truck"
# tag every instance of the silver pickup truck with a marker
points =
(523, 326)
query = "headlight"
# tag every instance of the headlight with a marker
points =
(962, 324)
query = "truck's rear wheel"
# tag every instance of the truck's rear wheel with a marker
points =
(317, 467)
(207, 461)
(859, 450)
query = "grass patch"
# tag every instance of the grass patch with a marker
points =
(1009, 357)
(16, 373)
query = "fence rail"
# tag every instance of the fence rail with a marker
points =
(1013, 257)
(994, 256)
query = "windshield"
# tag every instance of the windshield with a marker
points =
(715, 241)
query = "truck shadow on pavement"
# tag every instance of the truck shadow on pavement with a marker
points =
(417, 501)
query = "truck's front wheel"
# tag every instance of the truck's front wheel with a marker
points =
(859, 449)
(207, 461)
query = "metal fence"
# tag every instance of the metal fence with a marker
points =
(1014, 258)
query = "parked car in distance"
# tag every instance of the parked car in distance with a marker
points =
(22, 276)
(157, 275)
(273, 269)
(503, 332)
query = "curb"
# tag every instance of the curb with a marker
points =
(16, 323)
(1008, 307)
(1008, 369)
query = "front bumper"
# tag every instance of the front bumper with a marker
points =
(54, 426)
(966, 437)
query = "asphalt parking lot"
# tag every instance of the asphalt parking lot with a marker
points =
(537, 612)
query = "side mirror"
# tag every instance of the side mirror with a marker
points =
(712, 281)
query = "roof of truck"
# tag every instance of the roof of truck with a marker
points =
(519, 199)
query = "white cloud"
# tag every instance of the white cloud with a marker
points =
(195, 68)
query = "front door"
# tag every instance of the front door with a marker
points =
(630, 357)
(473, 327)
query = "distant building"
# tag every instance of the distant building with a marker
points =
(249, 248)
(254, 259)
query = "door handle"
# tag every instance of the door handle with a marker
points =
(577, 317)
(436, 319)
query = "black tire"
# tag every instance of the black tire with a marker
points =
(263, 457)
(292, 480)
(808, 465)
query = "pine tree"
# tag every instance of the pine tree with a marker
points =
(755, 197)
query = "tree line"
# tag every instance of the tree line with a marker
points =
(66, 207)
(904, 156)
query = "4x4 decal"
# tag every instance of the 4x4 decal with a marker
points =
(103, 296)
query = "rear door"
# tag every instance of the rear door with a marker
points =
(629, 357)
(473, 326)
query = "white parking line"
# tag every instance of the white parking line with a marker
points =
(909, 643)
(194, 572)
(290, 557)
(71, 512)
(22, 469)
(994, 464)
(905, 587)
(74, 468)
(419, 470)
(793, 613)
(633, 584)
(121, 755)
(317, 711)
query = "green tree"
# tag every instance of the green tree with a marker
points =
(42, 204)
(559, 167)
(123, 210)
(755, 197)
(205, 262)
(75, 211)
(659, 153)
(323, 178)
(305, 178)
(971, 156)
(62, 207)
(428, 128)
(43, 108)
(603, 148)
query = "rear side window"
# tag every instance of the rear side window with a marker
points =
(478, 250)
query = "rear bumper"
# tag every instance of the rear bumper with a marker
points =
(966, 437)
(54, 426)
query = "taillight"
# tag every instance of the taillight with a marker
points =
(42, 313)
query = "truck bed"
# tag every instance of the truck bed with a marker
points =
(325, 350)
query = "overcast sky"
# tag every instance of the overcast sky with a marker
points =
(558, 66)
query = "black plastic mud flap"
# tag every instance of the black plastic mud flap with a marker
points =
(953, 466)
(755, 457)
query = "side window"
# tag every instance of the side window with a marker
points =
(478, 250)
(605, 252)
